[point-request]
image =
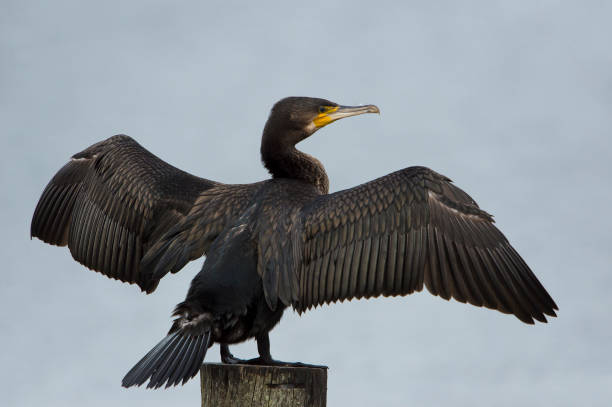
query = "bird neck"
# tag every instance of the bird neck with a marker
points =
(285, 161)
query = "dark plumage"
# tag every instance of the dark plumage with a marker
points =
(277, 243)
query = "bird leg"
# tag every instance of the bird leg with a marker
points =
(227, 357)
(264, 359)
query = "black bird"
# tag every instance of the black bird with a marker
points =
(277, 243)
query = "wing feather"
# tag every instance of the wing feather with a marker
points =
(115, 200)
(410, 229)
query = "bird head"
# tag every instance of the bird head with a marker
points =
(292, 119)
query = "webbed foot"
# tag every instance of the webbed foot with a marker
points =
(260, 361)
(264, 359)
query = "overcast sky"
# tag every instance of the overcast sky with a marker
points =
(512, 100)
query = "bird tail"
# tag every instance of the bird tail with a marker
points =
(176, 358)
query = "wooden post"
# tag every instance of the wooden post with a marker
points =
(257, 386)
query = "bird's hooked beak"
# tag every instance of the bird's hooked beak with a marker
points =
(333, 113)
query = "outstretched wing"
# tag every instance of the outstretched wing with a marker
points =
(111, 202)
(412, 228)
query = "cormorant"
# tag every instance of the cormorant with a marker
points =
(277, 243)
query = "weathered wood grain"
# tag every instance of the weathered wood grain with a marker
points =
(258, 386)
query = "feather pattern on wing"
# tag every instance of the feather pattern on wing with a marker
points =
(410, 229)
(113, 201)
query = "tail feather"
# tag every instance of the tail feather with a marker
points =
(175, 358)
(196, 362)
(136, 375)
(151, 365)
(160, 376)
(183, 362)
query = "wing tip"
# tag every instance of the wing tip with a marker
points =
(148, 286)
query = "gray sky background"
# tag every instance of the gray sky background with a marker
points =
(512, 100)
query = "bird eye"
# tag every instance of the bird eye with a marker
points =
(322, 109)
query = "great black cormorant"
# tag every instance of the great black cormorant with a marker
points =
(277, 243)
